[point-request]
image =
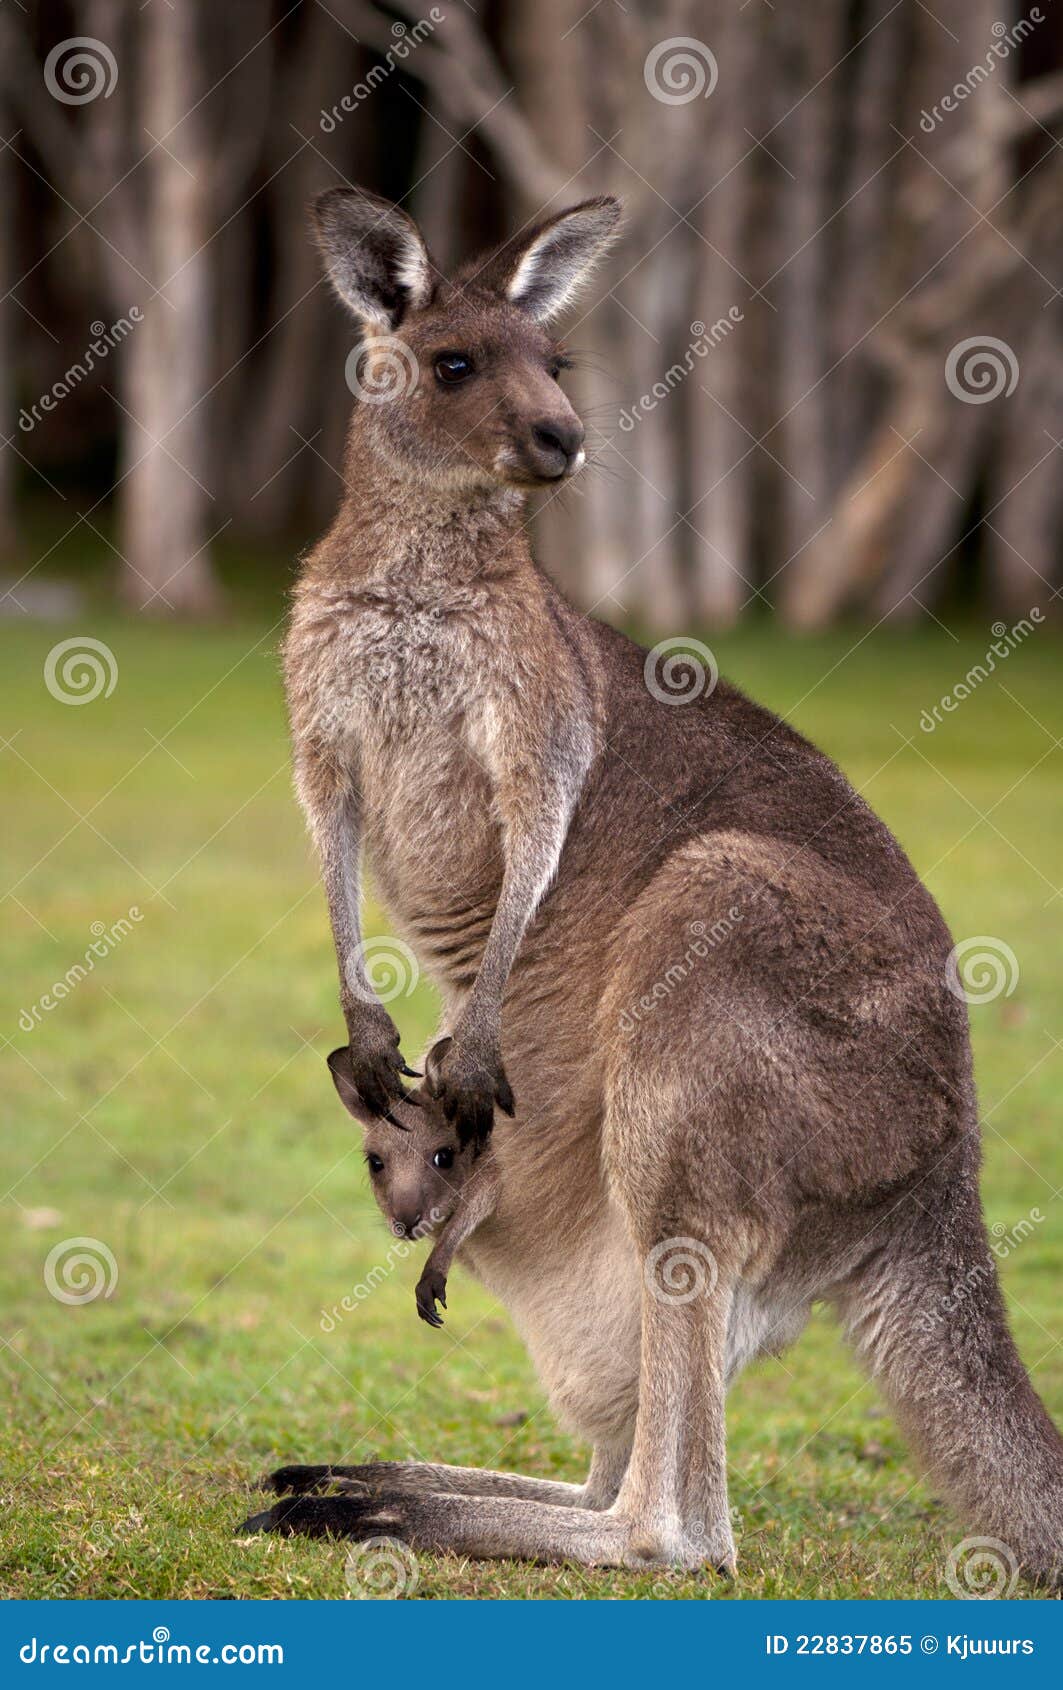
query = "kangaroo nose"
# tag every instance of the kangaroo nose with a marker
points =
(406, 1224)
(557, 445)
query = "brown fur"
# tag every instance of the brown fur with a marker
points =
(790, 1105)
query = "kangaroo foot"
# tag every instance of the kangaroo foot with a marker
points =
(483, 1527)
(307, 1481)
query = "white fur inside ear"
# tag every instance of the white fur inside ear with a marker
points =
(413, 272)
(375, 257)
(558, 261)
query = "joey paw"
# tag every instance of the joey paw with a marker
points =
(468, 1083)
(431, 1289)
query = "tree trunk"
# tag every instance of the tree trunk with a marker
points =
(165, 501)
(718, 436)
(8, 425)
(804, 283)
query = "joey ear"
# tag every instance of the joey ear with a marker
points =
(374, 254)
(543, 269)
(343, 1079)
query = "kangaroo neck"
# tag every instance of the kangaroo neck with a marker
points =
(395, 523)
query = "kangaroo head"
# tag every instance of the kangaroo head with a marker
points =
(417, 1169)
(458, 380)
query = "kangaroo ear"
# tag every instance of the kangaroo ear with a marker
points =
(543, 270)
(343, 1080)
(374, 254)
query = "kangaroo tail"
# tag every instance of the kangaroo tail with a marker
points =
(925, 1313)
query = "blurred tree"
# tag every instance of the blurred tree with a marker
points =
(823, 204)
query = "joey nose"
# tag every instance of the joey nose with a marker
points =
(407, 1221)
(556, 443)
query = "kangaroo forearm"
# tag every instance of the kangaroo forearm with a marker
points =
(477, 1202)
(339, 845)
(523, 885)
(537, 805)
(333, 811)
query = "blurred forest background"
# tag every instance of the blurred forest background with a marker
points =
(824, 373)
(823, 377)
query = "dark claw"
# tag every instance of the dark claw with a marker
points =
(411, 1073)
(256, 1523)
(330, 1516)
(431, 1288)
(296, 1480)
(386, 1115)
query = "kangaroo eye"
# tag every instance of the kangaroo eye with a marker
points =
(376, 1164)
(453, 367)
(443, 1158)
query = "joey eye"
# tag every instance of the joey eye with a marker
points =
(443, 1158)
(560, 363)
(452, 368)
(376, 1163)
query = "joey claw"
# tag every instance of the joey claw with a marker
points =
(411, 1073)
(388, 1115)
(431, 1288)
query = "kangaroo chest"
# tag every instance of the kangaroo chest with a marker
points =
(398, 690)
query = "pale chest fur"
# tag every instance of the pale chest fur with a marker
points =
(396, 687)
(382, 666)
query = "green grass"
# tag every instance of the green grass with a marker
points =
(176, 1107)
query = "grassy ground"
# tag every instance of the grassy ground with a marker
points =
(175, 1108)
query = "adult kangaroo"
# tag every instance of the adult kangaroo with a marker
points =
(672, 940)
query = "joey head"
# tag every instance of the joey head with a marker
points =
(425, 1182)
